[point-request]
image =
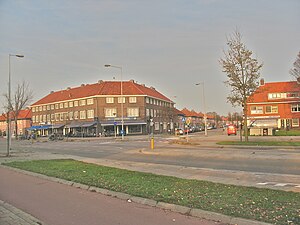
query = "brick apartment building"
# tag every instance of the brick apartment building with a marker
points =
(275, 105)
(24, 122)
(93, 109)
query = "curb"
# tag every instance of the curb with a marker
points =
(199, 213)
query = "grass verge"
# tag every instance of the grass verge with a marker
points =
(287, 133)
(261, 143)
(272, 206)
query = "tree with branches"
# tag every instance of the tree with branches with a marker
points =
(295, 71)
(21, 98)
(242, 71)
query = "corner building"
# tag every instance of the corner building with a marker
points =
(95, 109)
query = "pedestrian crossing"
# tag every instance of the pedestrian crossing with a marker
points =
(275, 184)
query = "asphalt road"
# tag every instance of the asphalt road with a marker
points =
(273, 161)
(59, 204)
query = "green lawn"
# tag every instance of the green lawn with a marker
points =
(287, 133)
(261, 143)
(275, 207)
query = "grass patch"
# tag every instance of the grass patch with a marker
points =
(261, 143)
(287, 133)
(272, 206)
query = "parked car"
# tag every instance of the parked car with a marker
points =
(178, 131)
(231, 129)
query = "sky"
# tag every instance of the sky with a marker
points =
(168, 44)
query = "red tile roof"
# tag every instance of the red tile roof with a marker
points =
(261, 94)
(23, 114)
(191, 113)
(101, 88)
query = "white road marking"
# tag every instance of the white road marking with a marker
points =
(280, 185)
(262, 183)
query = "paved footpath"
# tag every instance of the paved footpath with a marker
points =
(60, 204)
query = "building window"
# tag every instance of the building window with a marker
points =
(57, 116)
(271, 109)
(37, 119)
(75, 103)
(134, 129)
(151, 112)
(109, 100)
(44, 108)
(33, 119)
(33, 109)
(133, 112)
(62, 117)
(277, 95)
(70, 104)
(296, 108)
(48, 117)
(52, 107)
(82, 115)
(52, 117)
(61, 105)
(147, 100)
(256, 109)
(56, 106)
(151, 101)
(120, 99)
(71, 115)
(40, 108)
(82, 102)
(295, 122)
(66, 104)
(147, 112)
(110, 112)
(90, 113)
(156, 126)
(76, 115)
(90, 101)
(132, 99)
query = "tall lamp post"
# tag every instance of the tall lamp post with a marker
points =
(9, 104)
(204, 105)
(122, 105)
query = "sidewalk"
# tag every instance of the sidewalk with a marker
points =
(10, 215)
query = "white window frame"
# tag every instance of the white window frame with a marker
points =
(295, 106)
(109, 100)
(110, 112)
(133, 112)
(295, 124)
(256, 110)
(82, 115)
(90, 113)
(120, 99)
(75, 103)
(66, 104)
(132, 99)
(82, 102)
(70, 104)
(90, 101)
(273, 109)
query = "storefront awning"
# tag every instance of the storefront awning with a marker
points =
(56, 126)
(41, 127)
(89, 124)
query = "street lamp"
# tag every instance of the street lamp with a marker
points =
(204, 105)
(9, 104)
(122, 106)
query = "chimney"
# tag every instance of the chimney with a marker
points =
(262, 82)
(82, 85)
(143, 85)
(51, 92)
(152, 88)
(68, 88)
(132, 81)
(298, 80)
(100, 81)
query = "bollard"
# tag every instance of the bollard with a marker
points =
(152, 143)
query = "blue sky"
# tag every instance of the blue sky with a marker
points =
(169, 44)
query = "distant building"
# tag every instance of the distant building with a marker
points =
(24, 122)
(92, 109)
(275, 104)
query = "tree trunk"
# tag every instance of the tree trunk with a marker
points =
(16, 128)
(245, 122)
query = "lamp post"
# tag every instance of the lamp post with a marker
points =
(204, 105)
(122, 105)
(9, 105)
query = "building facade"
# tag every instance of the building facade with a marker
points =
(23, 121)
(275, 105)
(97, 109)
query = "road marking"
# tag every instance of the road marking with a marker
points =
(280, 185)
(262, 183)
(297, 186)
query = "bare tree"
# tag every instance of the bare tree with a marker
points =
(242, 71)
(21, 98)
(295, 71)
